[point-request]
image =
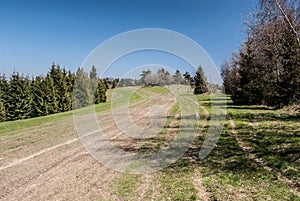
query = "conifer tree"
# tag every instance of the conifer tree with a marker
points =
(100, 93)
(93, 73)
(82, 95)
(3, 92)
(51, 101)
(2, 108)
(200, 82)
(38, 98)
(65, 98)
(93, 82)
(18, 98)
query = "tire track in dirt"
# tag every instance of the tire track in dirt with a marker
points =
(19, 161)
(198, 181)
(109, 120)
(52, 173)
(78, 171)
(259, 160)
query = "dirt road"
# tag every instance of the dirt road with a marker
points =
(49, 162)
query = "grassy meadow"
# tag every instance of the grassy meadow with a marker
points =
(256, 158)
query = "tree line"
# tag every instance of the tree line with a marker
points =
(266, 70)
(163, 77)
(59, 90)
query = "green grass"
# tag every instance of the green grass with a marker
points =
(272, 135)
(7, 127)
(229, 174)
(176, 182)
(126, 185)
(156, 89)
(157, 142)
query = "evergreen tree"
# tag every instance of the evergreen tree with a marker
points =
(93, 73)
(51, 100)
(71, 77)
(188, 78)
(3, 93)
(65, 97)
(2, 108)
(82, 95)
(93, 81)
(38, 98)
(200, 82)
(268, 65)
(115, 83)
(100, 93)
(18, 98)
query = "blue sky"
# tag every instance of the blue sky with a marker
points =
(36, 33)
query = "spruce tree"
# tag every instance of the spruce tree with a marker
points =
(71, 77)
(82, 95)
(200, 82)
(93, 82)
(93, 73)
(3, 94)
(39, 107)
(65, 98)
(51, 100)
(100, 96)
(2, 108)
(18, 98)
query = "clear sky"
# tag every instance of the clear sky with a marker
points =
(33, 34)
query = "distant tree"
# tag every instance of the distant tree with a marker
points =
(200, 82)
(93, 73)
(168, 78)
(38, 98)
(2, 108)
(268, 63)
(126, 82)
(178, 79)
(114, 83)
(100, 93)
(65, 100)
(18, 99)
(188, 78)
(82, 95)
(230, 75)
(161, 77)
(3, 94)
(2, 111)
(51, 97)
(93, 79)
(146, 76)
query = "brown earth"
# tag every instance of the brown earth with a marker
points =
(48, 162)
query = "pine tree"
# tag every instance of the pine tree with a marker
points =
(19, 98)
(200, 82)
(94, 82)
(188, 78)
(2, 108)
(38, 98)
(3, 93)
(100, 93)
(51, 101)
(65, 97)
(82, 95)
(93, 73)
(70, 83)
